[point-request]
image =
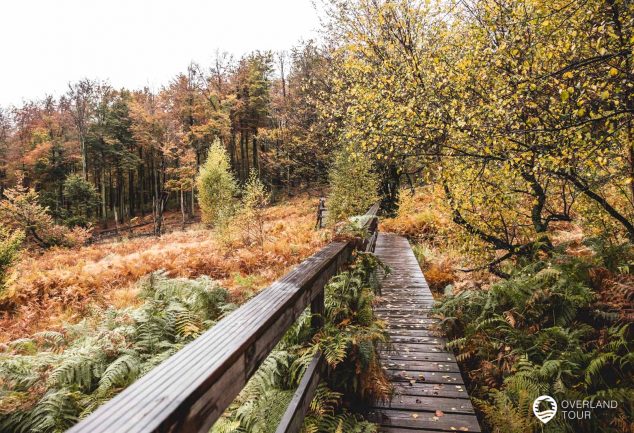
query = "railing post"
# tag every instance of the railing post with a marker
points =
(321, 207)
(317, 310)
(293, 419)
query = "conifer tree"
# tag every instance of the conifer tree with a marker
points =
(10, 242)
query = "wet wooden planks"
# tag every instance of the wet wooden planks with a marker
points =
(429, 394)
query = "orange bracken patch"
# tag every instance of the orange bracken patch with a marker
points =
(59, 285)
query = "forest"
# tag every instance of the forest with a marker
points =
(497, 135)
(103, 156)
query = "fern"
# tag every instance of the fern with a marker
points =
(20, 373)
(79, 370)
(52, 379)
(348, 341)
(123, 371)
(55, 412)
(49, 381)
(26, 346)
(541, 332)
(50, 339)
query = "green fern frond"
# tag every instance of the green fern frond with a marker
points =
(79, 369)
(123, 371)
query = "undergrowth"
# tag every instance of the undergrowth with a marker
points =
(52, 379)
(554, 327)
(348, 340)
(43, 290)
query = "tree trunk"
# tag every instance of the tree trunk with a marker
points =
(193, 199)
(246, 155)
(256, 166)
(131, 194)
(232, 149)
(84, 154)
(142, 180)
(182, 209)
(104, 206)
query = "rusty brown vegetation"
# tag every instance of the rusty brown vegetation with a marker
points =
(49, 288)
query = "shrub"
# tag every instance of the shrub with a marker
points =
(21, 210)
(419, 215)
(542, 332)
(439, 275)
(353, 186)
(251, 217)
(352, 332)
(10, 242)
(216, 186)
(354, 227)
(348, 340)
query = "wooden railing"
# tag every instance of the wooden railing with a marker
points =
(189, 391)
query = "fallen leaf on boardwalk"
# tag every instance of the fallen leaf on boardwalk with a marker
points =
(439, 412)
(414, 415)
(434, 418)
(464, 429)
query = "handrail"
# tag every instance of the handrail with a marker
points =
(190, 390)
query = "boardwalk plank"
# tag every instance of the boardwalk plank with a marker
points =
(424, 375)
(410, 419)
(430, 390)
(396, 364)
(413, 332)
(428, 404)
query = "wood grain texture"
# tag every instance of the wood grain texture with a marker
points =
(429, 393)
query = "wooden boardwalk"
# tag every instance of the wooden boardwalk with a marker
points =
(429, 394)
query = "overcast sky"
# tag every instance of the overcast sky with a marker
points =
(44, 44)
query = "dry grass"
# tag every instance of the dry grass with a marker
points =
(420, 215)
(439, 275)
(60, 284)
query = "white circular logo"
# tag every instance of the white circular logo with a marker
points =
(548, 413)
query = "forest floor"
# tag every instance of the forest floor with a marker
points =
(58, 286)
